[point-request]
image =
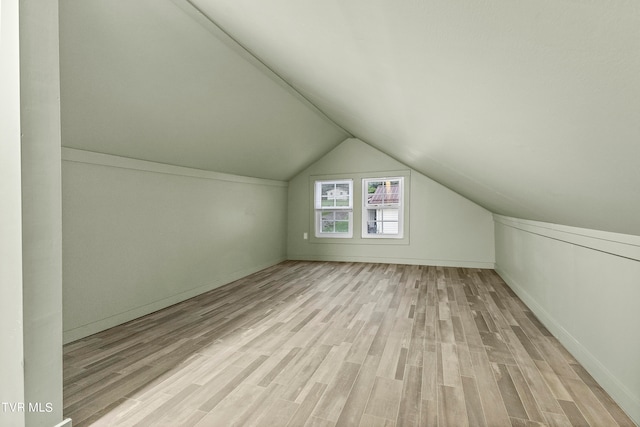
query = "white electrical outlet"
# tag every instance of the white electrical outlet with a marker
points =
(305, 236)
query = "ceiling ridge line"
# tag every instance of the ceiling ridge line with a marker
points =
(213, 27)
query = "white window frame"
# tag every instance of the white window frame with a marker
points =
(366, 207)
(319, 209)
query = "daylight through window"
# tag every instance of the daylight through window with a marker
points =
(334, 208)
(382, 207)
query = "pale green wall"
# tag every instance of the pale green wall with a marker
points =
(11, 329)
(443, 229)
(585, 287)
(30, 214)
(139, 236)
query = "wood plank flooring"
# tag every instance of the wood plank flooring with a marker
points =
(336, 344)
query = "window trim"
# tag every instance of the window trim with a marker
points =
(366, 207)
(356, 238)
(319, 209)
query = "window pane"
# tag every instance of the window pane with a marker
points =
(372, 188)
(342, 226)
(340, 195)
(335, 222)
(326, 202)
(383, 192)
(328, 226)
(390, 228)
(383, 221)
(326, 194)
(387, 214)
(382, 227)
(327, 222)
(328, 216)
(326, 188)
(343, 216)
(343, 188)
(382, 207)
(333, 201)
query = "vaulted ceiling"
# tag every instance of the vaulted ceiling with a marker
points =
(529, 108)
(154, 80)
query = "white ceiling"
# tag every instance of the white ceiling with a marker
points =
(529, 108)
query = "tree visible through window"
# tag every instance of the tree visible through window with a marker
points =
(382, 207)
(334, 208)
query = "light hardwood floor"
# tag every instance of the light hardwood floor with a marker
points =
(347, 344)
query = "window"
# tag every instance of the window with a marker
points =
(382, 208)
(334, 208)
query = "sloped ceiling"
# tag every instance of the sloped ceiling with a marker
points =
(529, 108)
(155, 80)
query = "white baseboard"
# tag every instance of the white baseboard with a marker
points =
(618, 391)
(386, 260)
(65, 423)
(120, 318)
